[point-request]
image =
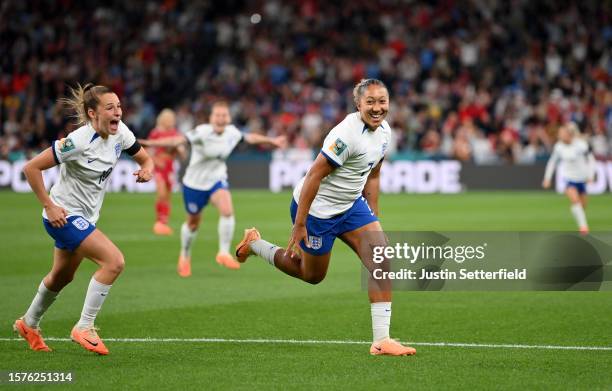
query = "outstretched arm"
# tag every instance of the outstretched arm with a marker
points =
(33, 173)
(174, 141)
(257, 139)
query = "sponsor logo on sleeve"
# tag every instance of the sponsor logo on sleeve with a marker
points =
(66, 145)
(338, 147)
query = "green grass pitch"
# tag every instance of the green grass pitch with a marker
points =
(257, 302)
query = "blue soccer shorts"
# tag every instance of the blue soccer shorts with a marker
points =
(196, 200)
(579, 186)
(70, 236)
(323, 232)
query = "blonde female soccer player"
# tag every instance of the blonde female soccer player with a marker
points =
(164, 169)
(338, 198)
(86, 157)
(206, 180)
(577, 167)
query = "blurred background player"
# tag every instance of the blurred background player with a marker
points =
(206, 179)
(86, 157)
(164, 157)
(338, 198)
(577, 168)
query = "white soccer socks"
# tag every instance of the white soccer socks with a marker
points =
(96, 294)
(42, 301)
(225, 229)
(187, 238)
(265, 249)
(579, 215)
(381, 320)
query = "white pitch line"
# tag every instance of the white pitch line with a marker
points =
(332, 342)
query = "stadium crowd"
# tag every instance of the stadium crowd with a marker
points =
(483, 81)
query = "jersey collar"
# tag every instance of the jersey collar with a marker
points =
(95, 136)
(365, 126)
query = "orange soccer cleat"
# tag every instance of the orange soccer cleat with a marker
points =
(243, 249)
(89, 339)
(224, 259)
(162, 229)
(32, 335)
(184, 266)
(391, 347)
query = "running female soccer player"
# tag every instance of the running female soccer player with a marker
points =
(86, 157)
(206, 180)
(164, 169)
(333, 201)
(578, 168)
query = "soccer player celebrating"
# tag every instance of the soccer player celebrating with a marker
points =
(578, 168)
(163, 157)
(206, 179)
(338, 197)
(86, 157)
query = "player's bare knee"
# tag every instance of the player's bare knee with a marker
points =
(193, 222)
(117, 264)
(314, 279)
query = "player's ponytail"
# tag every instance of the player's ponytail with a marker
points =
(82, 99)
(361, 87)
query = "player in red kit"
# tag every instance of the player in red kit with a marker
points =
(163, 157)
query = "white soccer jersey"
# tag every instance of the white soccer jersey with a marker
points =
(577, 161)
(86, 161)
(354, 150)
(209, 151)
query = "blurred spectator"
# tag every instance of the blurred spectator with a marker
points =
(462, 149)
(508, 147)
(430, 143)
(465, 78)
(600, 143)
(536, 146)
